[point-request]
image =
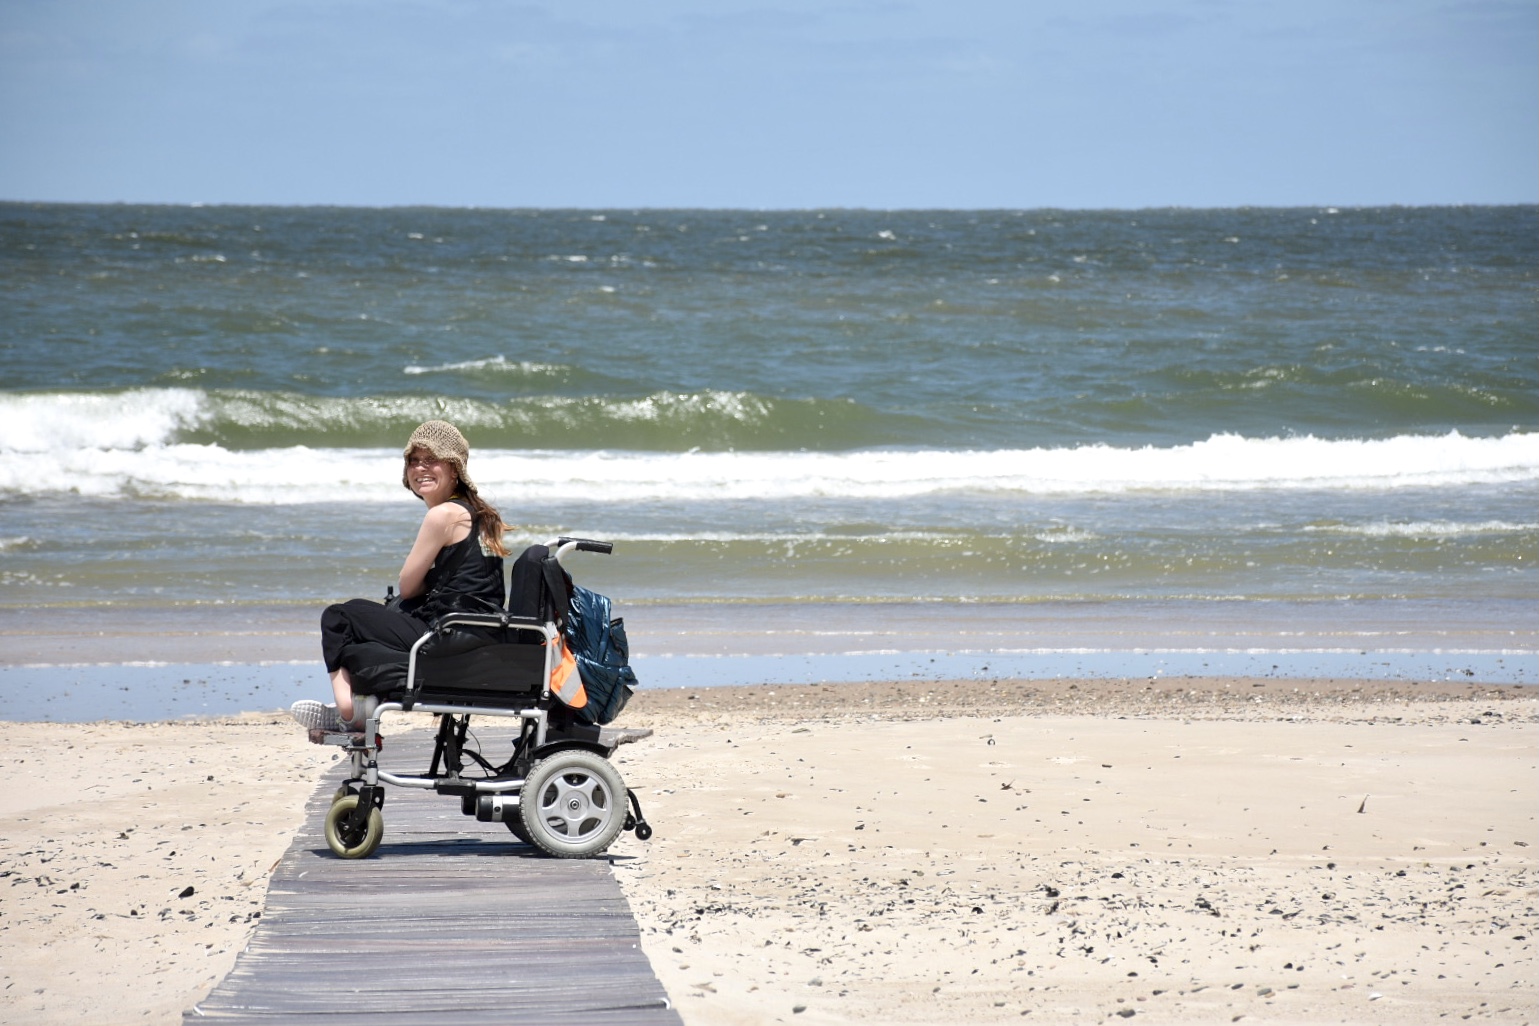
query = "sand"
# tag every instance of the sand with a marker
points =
(135, 858)
(1171, 851)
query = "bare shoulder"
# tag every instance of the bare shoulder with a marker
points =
(448, 513)
(449, 520)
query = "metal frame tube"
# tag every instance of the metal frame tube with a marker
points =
(371, 773)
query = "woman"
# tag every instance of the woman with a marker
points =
(455, 564)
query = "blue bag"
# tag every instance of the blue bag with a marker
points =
(603, 656)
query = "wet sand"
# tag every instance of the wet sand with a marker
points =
(1198, 850)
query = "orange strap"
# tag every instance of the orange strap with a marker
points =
(565, 681)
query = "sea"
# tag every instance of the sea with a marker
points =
(827, 444)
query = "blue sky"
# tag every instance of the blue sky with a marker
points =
(771, 103)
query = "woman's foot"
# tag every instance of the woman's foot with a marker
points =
(313, 715)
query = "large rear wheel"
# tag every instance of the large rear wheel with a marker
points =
(572, 804)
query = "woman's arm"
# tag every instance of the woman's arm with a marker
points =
(444, 524)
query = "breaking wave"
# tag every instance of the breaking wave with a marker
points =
(172, 443)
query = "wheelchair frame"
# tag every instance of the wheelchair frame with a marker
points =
(557, 791)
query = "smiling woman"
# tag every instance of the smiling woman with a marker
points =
(455, 562)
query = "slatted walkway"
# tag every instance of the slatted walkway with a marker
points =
(450, 921)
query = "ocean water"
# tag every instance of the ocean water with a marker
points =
(1264, 410)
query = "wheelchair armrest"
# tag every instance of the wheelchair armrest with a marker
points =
(481, 620)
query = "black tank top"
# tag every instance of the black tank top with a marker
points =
(463, 571)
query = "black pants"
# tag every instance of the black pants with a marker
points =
(360, 634)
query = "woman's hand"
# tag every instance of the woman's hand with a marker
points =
(444, 524)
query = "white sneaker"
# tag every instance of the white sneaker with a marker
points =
(313, 715)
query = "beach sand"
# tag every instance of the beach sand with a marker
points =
(135, 859)
(1195, 850)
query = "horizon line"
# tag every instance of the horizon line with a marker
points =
(833, 208)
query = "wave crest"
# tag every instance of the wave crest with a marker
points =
(178, 444)
(63, 421)
(497, 365)
(248, 419)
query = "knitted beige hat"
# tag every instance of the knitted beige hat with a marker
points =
(444, 441)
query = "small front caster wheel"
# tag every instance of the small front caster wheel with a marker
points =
(350, 841)
(643, 831)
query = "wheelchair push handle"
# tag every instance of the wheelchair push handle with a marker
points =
(566, 546)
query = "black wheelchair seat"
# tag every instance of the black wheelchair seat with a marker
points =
(491, 661)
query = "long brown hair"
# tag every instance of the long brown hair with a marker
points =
(486, 516)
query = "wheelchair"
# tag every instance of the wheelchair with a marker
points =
(556, 790)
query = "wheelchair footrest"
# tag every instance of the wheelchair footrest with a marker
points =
(612, 737)
(344, 739)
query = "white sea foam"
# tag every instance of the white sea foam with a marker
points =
(1431, 529)
(499, 364)
(1066, 536)
(118, 447)
(1223, 463)
(789, 539)
(56, 422)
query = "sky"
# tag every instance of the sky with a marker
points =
(771, 104)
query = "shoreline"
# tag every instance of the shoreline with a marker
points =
(911, 852)
(258, 632)
(153, 663)
(210, 691)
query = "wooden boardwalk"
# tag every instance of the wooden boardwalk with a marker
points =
(450, 921)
